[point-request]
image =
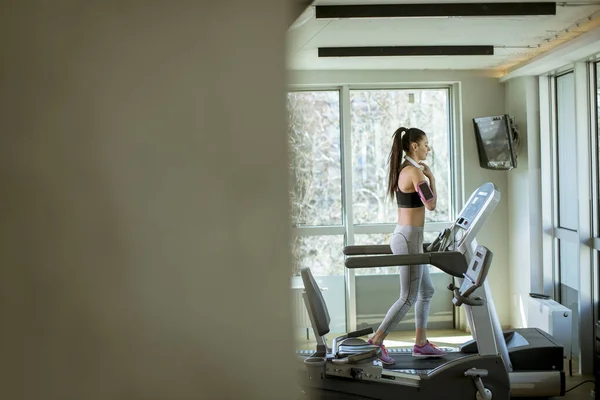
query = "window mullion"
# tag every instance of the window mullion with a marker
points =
(346, 160)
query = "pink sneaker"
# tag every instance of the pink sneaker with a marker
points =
(383, 355)
(427, 350)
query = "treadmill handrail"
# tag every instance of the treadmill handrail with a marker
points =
(451, 262)
(373, 249)
(386, 260)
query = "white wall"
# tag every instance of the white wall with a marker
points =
(144, 244)
(481, 96)
(524, 211)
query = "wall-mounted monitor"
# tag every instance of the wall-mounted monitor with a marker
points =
(495, 142)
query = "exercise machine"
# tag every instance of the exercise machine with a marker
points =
(348, 370)
(518, 363)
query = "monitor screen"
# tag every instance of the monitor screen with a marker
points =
(495, 142)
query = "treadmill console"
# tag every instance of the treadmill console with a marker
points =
(476, 210)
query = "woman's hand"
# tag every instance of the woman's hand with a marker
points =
(426, 171)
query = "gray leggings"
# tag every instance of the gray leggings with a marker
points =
(415, 284)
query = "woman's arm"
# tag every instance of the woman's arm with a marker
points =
(426, 190)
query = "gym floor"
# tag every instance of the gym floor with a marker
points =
(453, 338)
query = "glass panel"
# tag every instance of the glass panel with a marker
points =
(324, 256)
(569, 284)
(375, 116)
(316, 175)
(566, 150)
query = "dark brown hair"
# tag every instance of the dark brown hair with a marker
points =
(401, 140)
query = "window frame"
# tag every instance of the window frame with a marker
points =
(348, 228)
(595, 182)
(552, 233)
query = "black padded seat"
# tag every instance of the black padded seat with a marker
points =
(343, 346)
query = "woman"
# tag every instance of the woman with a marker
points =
(413, 184)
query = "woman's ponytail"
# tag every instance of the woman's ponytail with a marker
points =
(394, 158)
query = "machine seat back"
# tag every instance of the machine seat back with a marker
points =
(316, 303)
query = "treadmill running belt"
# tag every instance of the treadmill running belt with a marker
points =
(407, 361)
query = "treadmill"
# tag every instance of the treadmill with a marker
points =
(533, 358)
(349, 369)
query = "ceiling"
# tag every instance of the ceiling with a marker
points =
(515, 39)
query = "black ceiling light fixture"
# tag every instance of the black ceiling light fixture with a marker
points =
(434, 10)
(408, 51)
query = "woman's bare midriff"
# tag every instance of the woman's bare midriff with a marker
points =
(411, 216)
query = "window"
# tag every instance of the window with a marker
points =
(566, 147)
(338, 192)
(322, 254)
(375, 115)
(314, 135)
(568, 184)
(567, 262)
(595, 153)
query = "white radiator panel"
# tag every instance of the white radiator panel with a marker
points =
(552, 318)
(300, 315)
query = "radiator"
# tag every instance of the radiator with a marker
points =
(299, 313)
(553, 318)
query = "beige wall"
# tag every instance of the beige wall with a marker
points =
(525, 230)
(143, 217)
